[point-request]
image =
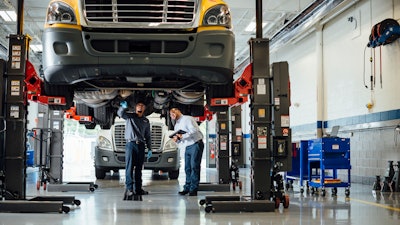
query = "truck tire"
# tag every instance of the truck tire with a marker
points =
(173, 174)
(90, 126)
(100, 173)
(104, 116)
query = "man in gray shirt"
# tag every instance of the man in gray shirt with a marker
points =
(137, 134)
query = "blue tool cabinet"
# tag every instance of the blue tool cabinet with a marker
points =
(325, 157)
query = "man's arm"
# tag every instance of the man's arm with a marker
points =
(147, 135)
(122, 110)
(122, 113)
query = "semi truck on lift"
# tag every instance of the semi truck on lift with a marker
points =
(98, 53)
(109, 153)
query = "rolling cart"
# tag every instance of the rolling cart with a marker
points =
(328, 154)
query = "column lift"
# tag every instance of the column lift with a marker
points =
(271, 135)
(20, 83)
(271, 143)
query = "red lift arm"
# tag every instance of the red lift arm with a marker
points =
(208, 115)
(71, 114)
(242, 88)
(34, 86)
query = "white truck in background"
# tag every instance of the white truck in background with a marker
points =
(110, 149)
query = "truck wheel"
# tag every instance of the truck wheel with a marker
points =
(173, 175)
(104, 116)
(100, 173)
(90, 126)
(82, 109)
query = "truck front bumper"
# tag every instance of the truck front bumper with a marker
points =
(109, 160)
(71, 55)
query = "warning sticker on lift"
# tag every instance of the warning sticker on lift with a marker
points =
(223, 142)
(285, 132)
(262, 142)
(285, 121)
(14, 111)
(15, 88)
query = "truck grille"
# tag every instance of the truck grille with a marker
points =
(140, 11)
(120, 142)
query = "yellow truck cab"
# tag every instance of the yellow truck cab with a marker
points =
(98, 53)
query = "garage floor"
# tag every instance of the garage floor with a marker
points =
(164, 206)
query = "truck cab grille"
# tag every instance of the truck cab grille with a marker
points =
(140, 11)
(120, 142)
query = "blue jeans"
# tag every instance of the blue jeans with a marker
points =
(193, 154)
(134, 159)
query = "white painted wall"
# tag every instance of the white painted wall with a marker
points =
(327, 72)
(302, 70)
(345, 64)
(343, 47)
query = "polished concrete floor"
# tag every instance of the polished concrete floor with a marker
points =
(164, 206)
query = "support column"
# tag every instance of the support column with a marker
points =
(320, 88)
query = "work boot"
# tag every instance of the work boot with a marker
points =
(143, 192)
(137, 197)
(128, 195)
(184, 192)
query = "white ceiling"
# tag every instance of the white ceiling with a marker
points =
(275, 14)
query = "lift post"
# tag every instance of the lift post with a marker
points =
(14, 113)
(222, 157)
(13, 149)
(13, 136)
(271, 143)
(237, 156)
(49, 139)
(261, 120)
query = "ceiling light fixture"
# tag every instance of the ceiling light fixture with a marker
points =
(8, 15)
(36, 48)
(252, 26)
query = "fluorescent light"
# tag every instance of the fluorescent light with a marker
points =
(252, 26)
(36, 48)
(8, 16)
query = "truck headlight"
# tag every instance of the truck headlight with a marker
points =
(218, 15)
(103, 142)
(59, 12)
(170, 146)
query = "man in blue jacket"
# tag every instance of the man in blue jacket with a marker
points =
(137, 135)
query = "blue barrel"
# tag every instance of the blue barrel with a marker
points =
(29, 157)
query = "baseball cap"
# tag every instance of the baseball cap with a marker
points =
(140, 101)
